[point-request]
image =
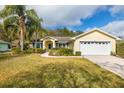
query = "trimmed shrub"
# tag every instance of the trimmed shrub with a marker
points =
(113, 53)
(35, 50)
(54, 52)
(120, 48)
(40, 50)
(77, 53)
(61, 52)
(26, 45)
(16, 50)
(29, 50)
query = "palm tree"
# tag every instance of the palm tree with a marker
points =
(36, 25)
(10, 28)
(18, 15)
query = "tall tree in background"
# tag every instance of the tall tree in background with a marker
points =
(63, 32)
(66, 32)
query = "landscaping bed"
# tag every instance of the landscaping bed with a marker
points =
(28, 51)
(63, 52)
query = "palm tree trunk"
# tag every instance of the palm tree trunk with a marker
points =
(22, 30)
(36, 42)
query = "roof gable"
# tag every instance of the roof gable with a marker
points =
(58, 38)
(63, 38)
(48, 37)
(96, 30)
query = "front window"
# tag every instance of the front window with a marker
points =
(37, 44)
(9, 46)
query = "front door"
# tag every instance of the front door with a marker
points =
(49, 46)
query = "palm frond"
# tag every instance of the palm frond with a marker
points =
(11, 20)
(12, 10)
(32, 14)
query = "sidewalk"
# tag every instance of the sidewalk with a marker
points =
(47, 55)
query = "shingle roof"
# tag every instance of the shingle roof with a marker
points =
(59, 39)
(63, 38)
(1, 41)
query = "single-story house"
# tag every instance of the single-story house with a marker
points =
(93, 42)
(4, 46)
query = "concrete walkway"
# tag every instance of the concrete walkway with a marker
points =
(111, 63)
(47, 55)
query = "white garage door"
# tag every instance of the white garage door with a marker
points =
(95, 47)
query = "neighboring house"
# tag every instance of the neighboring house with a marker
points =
(4, 46)
(93, 42)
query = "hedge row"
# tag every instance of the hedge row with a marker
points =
(120, 48)
(61, 52)
(28, 51)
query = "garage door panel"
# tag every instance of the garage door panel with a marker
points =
(95, 48)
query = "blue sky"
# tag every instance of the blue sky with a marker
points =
(99, 19)
(82, 17)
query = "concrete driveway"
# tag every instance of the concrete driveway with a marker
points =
(111, 63)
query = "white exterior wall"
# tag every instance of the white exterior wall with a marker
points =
(94, 36)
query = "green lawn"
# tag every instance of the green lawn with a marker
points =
(35, 71)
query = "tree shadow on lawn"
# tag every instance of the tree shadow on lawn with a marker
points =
(10, 56)
(63, 75)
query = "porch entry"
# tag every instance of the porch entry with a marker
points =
(48, 44)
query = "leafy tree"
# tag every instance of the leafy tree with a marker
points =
(1, 31)
(17, 18)
(78, 32)
(63, 32)
(10, 29)
(34, 26)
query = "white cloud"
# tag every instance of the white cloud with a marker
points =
(116, 9)
(115, 27)
(65, 15)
